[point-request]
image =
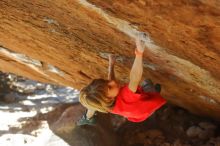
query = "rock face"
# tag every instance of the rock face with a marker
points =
(171, 126)
(67, 42)
(99, 134)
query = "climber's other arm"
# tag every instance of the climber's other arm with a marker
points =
(111, 72)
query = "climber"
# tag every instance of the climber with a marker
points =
(131, 100)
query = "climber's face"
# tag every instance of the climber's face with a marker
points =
(113, 89)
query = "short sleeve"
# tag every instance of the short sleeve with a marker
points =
(129, 96)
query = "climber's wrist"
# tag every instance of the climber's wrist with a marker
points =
(138, 53)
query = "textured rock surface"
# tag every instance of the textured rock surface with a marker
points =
(99, 134)
(67, 42)
(171, 126)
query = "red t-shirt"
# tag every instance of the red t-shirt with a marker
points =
(137, 107)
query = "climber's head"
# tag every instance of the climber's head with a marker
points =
(99, 95)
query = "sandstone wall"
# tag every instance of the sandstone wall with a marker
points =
(67, 42)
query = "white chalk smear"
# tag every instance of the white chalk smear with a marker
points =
(32, 63)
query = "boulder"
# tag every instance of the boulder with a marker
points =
(67, 43)
(99, 134)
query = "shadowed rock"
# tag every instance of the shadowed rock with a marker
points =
(100, 134)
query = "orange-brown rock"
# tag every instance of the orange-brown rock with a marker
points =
(67, 42)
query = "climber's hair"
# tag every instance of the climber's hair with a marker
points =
(94, 96)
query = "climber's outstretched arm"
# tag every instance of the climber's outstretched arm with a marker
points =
(111, 72)
(137, 68)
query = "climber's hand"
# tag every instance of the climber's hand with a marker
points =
(140, 43)
(112, 59)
